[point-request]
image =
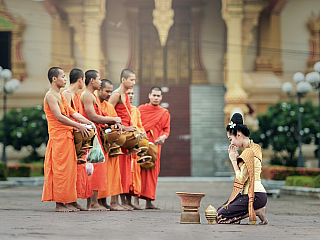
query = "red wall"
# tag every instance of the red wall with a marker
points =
(175, 154)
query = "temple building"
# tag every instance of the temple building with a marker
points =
(211, 57)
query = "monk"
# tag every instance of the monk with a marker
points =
(60, 165)
(136, 170)
(91, 109)
(84, 190)
(120, 100)
(114, 187)
(156, 122)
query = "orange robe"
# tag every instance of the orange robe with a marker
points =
(136, 170)
(157, 119)
(98, 179)
(84, 189)
(123, 111)
(114, 186)
(60, 165)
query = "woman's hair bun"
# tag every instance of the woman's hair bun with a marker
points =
(237, 118)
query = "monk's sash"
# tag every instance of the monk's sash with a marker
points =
(151, 115)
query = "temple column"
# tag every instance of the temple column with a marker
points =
(199, 73)
(269, 58)
(235, 97)
(86, 17)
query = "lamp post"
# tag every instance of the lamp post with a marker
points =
(302, 88)
(314, 79)
(8, 87)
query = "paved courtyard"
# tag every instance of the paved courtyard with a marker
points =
(24, 216)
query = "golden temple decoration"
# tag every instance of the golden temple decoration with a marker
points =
(314, 28)
(163, 19)
(16, 26)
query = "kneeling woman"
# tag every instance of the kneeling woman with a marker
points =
(248, 197)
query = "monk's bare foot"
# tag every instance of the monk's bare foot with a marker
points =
(60, 207)
(78, 206)
(97, 207)
(117, 207)
(261, 213)
(73, 208)
(104, 204)
(127, 206)
(151, 206)
(135, 207)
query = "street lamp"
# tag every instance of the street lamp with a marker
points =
(302, 88)
(314, 79)
(8, 87)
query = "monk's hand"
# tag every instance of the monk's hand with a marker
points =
(117, 120)
(233, 153)
(84, 130)
(129, 129)
(160, 140)
(94, 128)
(143, 135)
(120, 127)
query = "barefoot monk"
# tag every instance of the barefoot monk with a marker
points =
(60, 166)
(156, 122)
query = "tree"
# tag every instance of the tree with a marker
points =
(26, 127)
(278, 128)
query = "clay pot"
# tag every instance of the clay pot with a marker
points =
(190, 203)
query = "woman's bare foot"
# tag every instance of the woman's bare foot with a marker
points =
(73, 208)
(60, 207)
(261, 213)
(97, 207)
(75, 204)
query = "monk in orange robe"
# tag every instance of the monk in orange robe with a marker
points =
(76, 78)
(60, 165)
(136, 169)
(91, 109)
(156, 122)
(120, 100)
(114, 187)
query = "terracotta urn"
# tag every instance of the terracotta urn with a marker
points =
(211, 214)
(190, 203)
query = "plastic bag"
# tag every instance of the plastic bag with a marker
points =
(96, 154)
(89, 168)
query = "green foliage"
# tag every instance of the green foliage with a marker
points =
(281, 172)
(26, 127)
(317, 181)
(25, 170)
(278, 128)
(3, 171)
(303, 181)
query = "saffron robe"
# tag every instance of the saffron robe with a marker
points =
(114, 186)
(84, 189)
(123, 111)
(60, 165)
(98, 179)
(157, 119)
(136, 169)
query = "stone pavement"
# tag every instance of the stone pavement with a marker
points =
(24, 216)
